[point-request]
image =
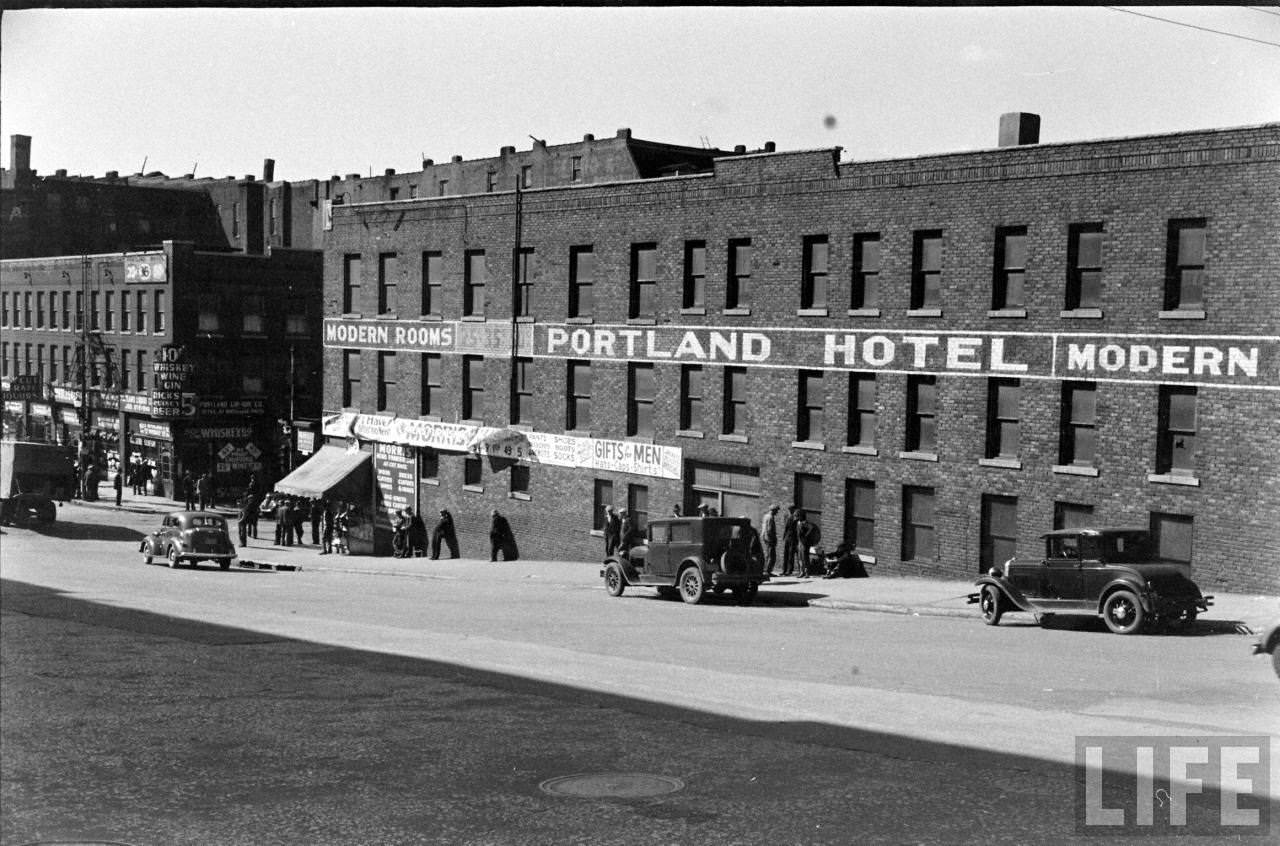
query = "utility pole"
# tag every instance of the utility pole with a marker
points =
(515, 300)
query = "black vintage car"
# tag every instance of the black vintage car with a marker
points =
(691, 556)
(1112, 572)
(190, 536)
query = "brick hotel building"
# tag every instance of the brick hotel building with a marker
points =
(939, 358)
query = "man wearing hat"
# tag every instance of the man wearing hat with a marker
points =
(769, 536)
(444, 531)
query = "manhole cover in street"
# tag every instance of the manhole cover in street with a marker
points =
(612, 785)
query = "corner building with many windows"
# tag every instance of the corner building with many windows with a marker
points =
(938, 358)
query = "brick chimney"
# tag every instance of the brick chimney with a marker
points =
(1019, 128)
(268, 170)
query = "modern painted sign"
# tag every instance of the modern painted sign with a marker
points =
(643, 459)
(1244, 361)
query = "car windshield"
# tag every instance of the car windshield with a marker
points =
(202, 522)
(1127, 546)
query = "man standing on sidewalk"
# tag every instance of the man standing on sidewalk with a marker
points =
(789, 541)
(119, 485)
(770, 539)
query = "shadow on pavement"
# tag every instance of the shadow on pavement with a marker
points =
(66, 530)
(399, 747)
(1084, 623)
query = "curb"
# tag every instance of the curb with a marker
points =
(885, 608)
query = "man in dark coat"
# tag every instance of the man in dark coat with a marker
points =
(417, 535)
(284, 523)
(612, 530)
(769, 536)
(444, 531)
(400, 534)
(501, 538)
(119, 485)
(204, 490)
(188, 486)
(806, 537)
(317, 516)
(789, 542)
(299, 517)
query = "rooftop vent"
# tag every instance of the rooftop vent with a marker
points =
(391, 171)
(770, 147)
(268, 170)
(588, 137)
(457, 159)
(426, 163)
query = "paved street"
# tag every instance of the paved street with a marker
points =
(148, 705)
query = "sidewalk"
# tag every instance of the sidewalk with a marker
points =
(892, 594)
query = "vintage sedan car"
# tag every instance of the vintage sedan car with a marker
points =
(1269, 644)
(691, 556)
(1112, 572)
(190, 536)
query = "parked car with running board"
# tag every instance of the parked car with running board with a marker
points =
(1112, 572)
(691, 557)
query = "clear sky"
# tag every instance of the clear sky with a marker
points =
(338, 91)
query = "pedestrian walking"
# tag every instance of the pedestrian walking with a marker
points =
(284, 522)
(612, 530)
(342, 528)
(417, 534)
(298, 519)
(769, 537)
(789, 541)
(444, 532)
(119, 485)
(247, 509)
(501, 538)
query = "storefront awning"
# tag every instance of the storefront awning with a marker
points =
(332, 472)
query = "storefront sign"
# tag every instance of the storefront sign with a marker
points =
(306, 442)
(148, 429)
(15, 406)
(219, 407)
(25, 387)
(135, 403)
(642, 459)
(146, 268)
(109, 422)
(69, 416)
(169, 395)
(219, 433)
(478, 338)
(41, 409)
(67, 396)
(395, 470)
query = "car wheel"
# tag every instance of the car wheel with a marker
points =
(1275, 660)
(692, 586)
(613, 581)
(173, 556)
(146, 558)
(1123, 613)
(991, 604)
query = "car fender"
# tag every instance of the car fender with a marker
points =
(629, 574)
(1010, 592)
(1123, 583)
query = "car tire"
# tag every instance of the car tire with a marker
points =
(693, 587)
(1122, 612)
(991, 605)
(1275, 660)
(147, 558)
(173, 556)
(614, 583)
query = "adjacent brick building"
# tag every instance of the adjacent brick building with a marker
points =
(941, 357)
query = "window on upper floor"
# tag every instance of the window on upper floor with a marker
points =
(1009, 277)
(351, 374)
(922, 407)
(865, 292)
(1003, 418)
(442, 188)
(388, 375)
(108, 311)
(295, 316)
(431, 398)
(738, 283)
(926, 270)
(432, 282)
(208, 318)
(578, 396)
(694, 290)
(734, 416)
(472, 387)
(124, 311)
(1079, 425)
(473, 288)
(252, 320)
(814, 279)
(644, 280)
(524, 282)
(252, 383)
(582, 277)
(641, 393)
(1185, 266)
(526, 176)
(691, 395)
(1177, 428)
(1084, 266)
(575, 169)
(918, 526)
(490, 181)
(350, 283)
(862, 410)
(808, 496)
(519, 480)
(810, 399)
(387, 278)
(522, 401)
